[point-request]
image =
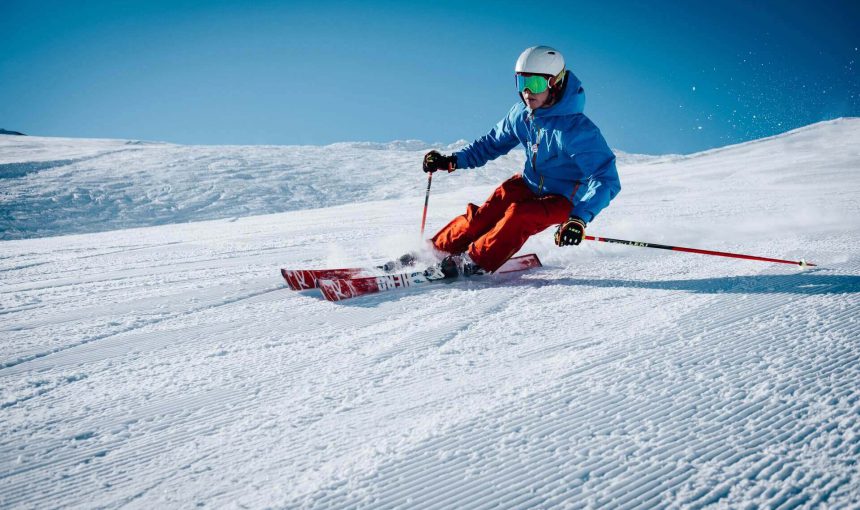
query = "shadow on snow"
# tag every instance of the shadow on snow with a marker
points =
(807, 283)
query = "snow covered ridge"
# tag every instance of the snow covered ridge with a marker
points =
(57, 186)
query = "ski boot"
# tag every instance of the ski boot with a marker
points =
(445, 269)
(453, 266)
(468, 267)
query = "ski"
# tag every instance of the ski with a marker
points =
(338, 289)
(304, 279)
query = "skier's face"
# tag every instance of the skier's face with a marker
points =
(534, 89)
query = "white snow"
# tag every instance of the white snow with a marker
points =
(169, 366)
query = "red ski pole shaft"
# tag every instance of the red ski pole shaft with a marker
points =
(801, 262)
(426, 202)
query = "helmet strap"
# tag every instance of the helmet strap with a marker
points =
(557, 88)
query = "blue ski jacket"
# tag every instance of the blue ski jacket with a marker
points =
(565, 153)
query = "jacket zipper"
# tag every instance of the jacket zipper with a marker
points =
(534, 154)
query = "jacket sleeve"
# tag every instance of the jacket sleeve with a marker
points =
(601, 187)
(498, 142)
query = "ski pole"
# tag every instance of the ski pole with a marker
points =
(801, 262)
(426, 201)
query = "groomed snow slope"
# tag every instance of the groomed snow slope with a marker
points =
(168, 366)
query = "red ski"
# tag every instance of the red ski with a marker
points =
(337, 289)
(304, 279)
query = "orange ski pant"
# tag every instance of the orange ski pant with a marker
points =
(494, 232)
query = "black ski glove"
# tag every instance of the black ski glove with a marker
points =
(434, 161)
(571, 232)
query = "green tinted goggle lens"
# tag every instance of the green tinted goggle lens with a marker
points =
(536, 84)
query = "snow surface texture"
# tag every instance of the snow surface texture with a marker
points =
(168, 366)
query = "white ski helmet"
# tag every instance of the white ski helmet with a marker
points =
(540, 60)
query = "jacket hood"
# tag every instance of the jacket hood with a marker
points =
(572, 100)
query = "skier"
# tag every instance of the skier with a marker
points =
(569, 174)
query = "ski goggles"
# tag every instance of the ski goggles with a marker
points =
(535, 83)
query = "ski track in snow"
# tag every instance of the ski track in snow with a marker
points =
(168, 366)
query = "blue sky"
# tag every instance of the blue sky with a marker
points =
(659, 76)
